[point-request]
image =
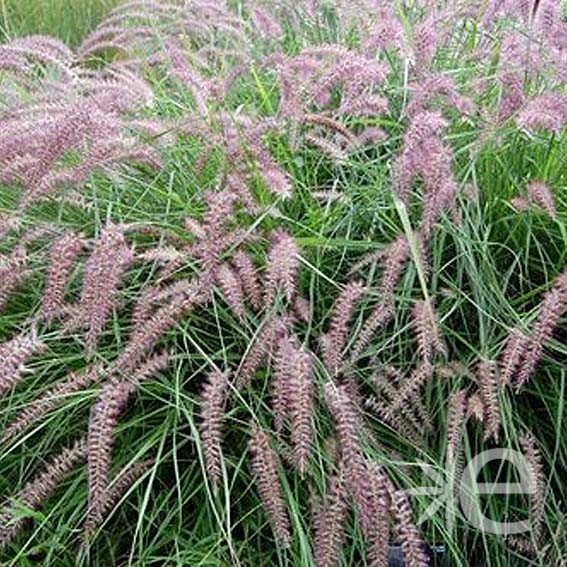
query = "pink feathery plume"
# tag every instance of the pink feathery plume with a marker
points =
(104, 417)
(115, 491)
(406, 398)
(265, 24)
(412, 545)
(51, 398)
(394, 260)
(147, 333)
(62, 257)
(13, 355)
(330, 524)
(545, 112)
(266, 343)
(489, 391)
(12, 273)
(514, 351)
(300, 407)
(456, 419)
(347, 422)
(282, 267)
(248, 275)
(105, 413)
(104, 271)
(424, 154)
(549, 313)
(213, 402)
(537, 486)
(378, 541)
(334, 341)
(232, 289)
(264, 464)
(41, 488)
(426, 327)
(302, 309)
(540, 194)
(377, 319)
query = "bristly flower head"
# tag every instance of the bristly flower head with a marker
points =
(265, 468)
(213, 402)
(13, 355)
(333, 343)
(282, 267)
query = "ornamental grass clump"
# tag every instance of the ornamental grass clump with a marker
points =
(270, 269)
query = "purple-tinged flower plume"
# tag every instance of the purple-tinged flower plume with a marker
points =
(347, 422)
(13, 355)
(104, 417)
(104, 271)
(265, 24)
(232, 289)
(456, 419)
(335, 339)
(41, 488)
(550, 311)
(62, 256)
(51, 398)
(412, 545)
(212, 407)
(545, 112)
(489, 391)
(12, 273)
(426, 328)
(282, 267)
(537, 486)
(266, 343)
(248, 275)
(512, 355)
(330, 524)
(377, 319)
(113, 494)
(264, 464)
(300, 404)
(540, 194)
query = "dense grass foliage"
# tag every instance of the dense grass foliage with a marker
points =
(68, 20)
(269, 268)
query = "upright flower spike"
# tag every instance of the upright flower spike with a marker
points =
(115, 491)
(41, 487)
(347, 422)
(232, 289)
(13, 355)
(282, 267)
(212, 404)
(265, 468)
(62, 256)
(248, 275)
(51, 398)
(104, 271)
(412, 545)
(550, 311)
(330, 524)
(301, 409)
(426, 327)
(489, 390)
(335, 339)
(540, 194)
(12, 273)
(538, 485)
